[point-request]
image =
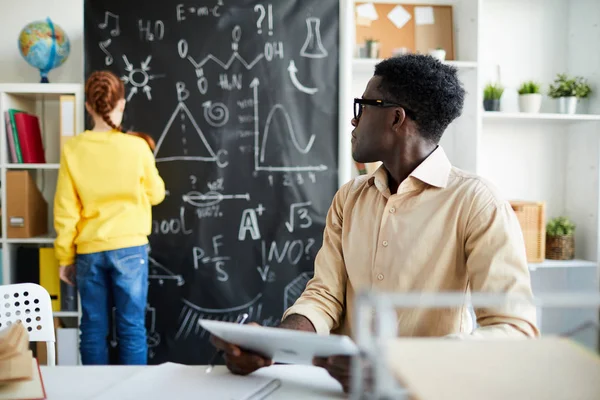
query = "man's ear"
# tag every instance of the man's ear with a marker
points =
(399, 117)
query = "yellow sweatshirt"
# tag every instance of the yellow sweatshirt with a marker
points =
(107, 185)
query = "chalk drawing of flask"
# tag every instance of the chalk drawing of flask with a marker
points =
(313, 47)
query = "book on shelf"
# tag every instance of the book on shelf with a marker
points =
(67, 118)
(24, 138)
(20, 376)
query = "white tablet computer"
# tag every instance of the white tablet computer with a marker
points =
(281, 345)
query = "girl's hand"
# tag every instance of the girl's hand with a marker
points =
(67, 274)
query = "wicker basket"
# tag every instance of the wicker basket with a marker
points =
(560, 247)
(532, 218)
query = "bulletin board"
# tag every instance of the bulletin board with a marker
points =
(418, 28)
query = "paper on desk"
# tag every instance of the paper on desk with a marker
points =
(177, 381)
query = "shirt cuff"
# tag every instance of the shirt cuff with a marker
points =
(66, 262)
(321, 322)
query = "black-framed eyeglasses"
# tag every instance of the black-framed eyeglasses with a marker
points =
(359, 103)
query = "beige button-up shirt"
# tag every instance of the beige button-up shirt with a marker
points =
(444, 230)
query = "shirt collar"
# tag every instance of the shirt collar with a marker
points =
(434, 171)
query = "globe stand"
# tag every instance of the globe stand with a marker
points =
(44, 75)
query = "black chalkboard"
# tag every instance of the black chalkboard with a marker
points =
(241, 97)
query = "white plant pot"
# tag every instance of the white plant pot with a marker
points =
(440, 54)
(530, 103)
(567, 105)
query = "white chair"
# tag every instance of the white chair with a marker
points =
(30, 304)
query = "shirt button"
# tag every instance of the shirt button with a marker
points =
(385, 243)
(392, 210)
(380, 277)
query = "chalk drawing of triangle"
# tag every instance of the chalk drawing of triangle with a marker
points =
(182, 139)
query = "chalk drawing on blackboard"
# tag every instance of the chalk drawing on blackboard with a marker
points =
(236, 34)
(260, 8)
(161, 273)
(139, 77)
(294, 289)
(152, 337)
(191, 313)
(198, 199)
(202, 151)
(215, 114)
(293, 70)
(249, 223)
(305, 221)
(108, 60)
(107, 17)
(290, 129)
(313, 46)
(259, 150)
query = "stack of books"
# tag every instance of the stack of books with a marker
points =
(20, 376)
(24, 138)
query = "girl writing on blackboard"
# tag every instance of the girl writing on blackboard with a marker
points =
(107, 184)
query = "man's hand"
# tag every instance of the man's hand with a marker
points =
(339, 368)
(67, 274)
(239, 361)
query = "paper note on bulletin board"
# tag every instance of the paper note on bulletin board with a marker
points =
(418, 28)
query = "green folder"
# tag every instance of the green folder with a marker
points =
(11, 113)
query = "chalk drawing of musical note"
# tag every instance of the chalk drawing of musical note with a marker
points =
(107, 15)
(108, 60)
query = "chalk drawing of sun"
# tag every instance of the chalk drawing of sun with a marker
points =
(139, 78)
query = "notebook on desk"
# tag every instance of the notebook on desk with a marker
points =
(177, 381)
(20, 377)
(25, 389)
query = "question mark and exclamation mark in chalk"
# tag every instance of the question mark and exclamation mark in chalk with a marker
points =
(261, 9)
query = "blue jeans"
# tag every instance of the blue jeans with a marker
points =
(118, 277)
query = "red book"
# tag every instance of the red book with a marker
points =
(30, 138)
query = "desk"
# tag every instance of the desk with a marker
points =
(83, 382)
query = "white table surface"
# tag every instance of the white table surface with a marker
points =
(83, 382)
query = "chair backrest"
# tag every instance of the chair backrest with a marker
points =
(30, 304)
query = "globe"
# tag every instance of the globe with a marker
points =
(44, 45)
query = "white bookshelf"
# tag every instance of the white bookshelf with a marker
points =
(563, 264)
(43, 101)
(48, 166)
(548, 156)
(539, 117)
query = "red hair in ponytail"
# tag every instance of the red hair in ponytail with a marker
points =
(103, 90)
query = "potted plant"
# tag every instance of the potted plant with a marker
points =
(438, 53)
(560, 242)
(491, 96)
(372, 48)
(530, 97)
(568, 90)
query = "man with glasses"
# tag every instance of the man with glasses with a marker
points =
(415, 224)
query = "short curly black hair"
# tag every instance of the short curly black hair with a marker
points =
(427, 87)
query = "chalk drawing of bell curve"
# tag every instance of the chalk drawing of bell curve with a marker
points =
(290, 129)
(183, 111)
(259, 153)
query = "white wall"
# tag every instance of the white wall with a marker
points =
(525, 40)
(14, 15)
